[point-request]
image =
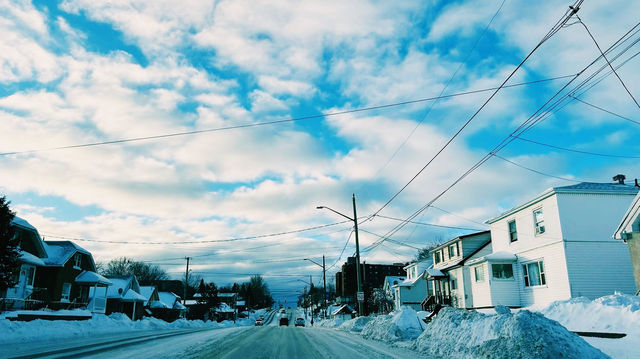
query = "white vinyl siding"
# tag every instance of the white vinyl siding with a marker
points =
(478, 273)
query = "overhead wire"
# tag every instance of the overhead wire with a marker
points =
(576, 151)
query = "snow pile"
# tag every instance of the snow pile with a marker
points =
(44, 330)
(456, 333)
(330, 323)
(402, 325)
(355, 325)
(618, 313)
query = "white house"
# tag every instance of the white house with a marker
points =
(556, 246)
(628, 231)
(450, 277)
(414, 289)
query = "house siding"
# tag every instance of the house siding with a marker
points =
(504, 291)
(608, 262)
(557, 281)
(480, 290)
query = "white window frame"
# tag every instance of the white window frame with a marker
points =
(515, 232)
(77, 260)
(436, 257)
(66, 292)
(455, 246)
(538, 223)
(475, 273)
(502, 264)
(526, 278)
(30, 276)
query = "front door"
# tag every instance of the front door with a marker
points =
(25, 283)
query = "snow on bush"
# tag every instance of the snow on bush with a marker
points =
(44, 330)
(402, 325)
(456, 333)
(355, 325)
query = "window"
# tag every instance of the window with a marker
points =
(436, 257)
(502, 271)
(534, 274)
(513, 231)
(538, 220)
(478, 271)
(66, 292)
(453, 284)
(31, 271)
(77, 260)
(453, 250)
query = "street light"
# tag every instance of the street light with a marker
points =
(360, 294)
(324, 281)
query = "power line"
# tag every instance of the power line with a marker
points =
(207, 241)
(430, 224)
(535, 171)
(576, 151)
(552, 32)
(604, 110)
(607, 60)
(267, 123)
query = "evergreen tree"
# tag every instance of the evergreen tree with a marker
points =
(9, 248)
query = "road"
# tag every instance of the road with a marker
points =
(269, 341)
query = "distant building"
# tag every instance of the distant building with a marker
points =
(372, 277)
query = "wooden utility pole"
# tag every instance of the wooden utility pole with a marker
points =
(186, 281)
(324, 282)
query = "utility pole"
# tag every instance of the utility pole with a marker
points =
(310, 297)
(186, 281)
(324, 282)
(360, 294)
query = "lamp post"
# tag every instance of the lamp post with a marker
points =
(360, 294)
(324, 281)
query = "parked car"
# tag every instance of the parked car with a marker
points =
(284, 321)
(299, 322)
(258, 323)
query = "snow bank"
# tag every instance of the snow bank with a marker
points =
(45, 330)
(330, 323)
(402, 325)
(355, 325)
(618, 313)
(456, 333)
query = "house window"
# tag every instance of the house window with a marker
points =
(513, 231)
(31, 271)
(502, 271)
(453, 250)
(77, 260)
(534, 274)
(436, 257)
(478, 271)
(538, 220)
(66, 292)
(453, 284)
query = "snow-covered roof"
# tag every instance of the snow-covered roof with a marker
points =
(169, 298)
(583, 187)
(391, 280)
(226, 295)
(28, 258)
(120, 285)
(132, 296)
(23, 223)
(422, 264)
(345, 309)
(89, 277)
(59, 252)
(432, 272)
(178, 305)
(37, 241)
(412, 281)
(240, 302)
(155, 304)
(224, 308)
(147, 291)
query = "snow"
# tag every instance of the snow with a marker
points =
(90, 277)
(399, 326)
(355, 325)
(458, 333)
(435, 272)
(46, 330)
(501, 256)
(29, 258)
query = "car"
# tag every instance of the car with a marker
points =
(283, 311)
(284, 321)
(299, 322)
(258, 323)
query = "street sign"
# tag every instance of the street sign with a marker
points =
(360, 296)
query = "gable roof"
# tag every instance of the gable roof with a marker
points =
(120, 285)
(580, 188)
(89, 277)
(629, 218)
(59, 252)
(391, 280)
(466, 258)
(458, 238)
(35, 236)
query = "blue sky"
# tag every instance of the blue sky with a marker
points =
(78, 72)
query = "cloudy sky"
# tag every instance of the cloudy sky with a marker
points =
(242, 199)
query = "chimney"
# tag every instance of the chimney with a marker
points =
(619, 178)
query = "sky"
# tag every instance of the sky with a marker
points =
(277, 107)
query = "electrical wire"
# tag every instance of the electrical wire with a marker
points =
(536, 171)
(576, 151)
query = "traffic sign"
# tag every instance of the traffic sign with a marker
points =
(360, 296)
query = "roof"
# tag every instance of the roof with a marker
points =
(435, 273)
(629, 218)
(389, 280)
(226, 295)
(412, 281)
(28, 258)
(496, 257)
(168, 298)
(59, 252)
(345, 309)
(119, 286)
(19, 222)
(580, 188)
(133, 296)
(240, 303)
(421, 264)
(462, 237)
(225, 308)
(89, 277)
(147, 292)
